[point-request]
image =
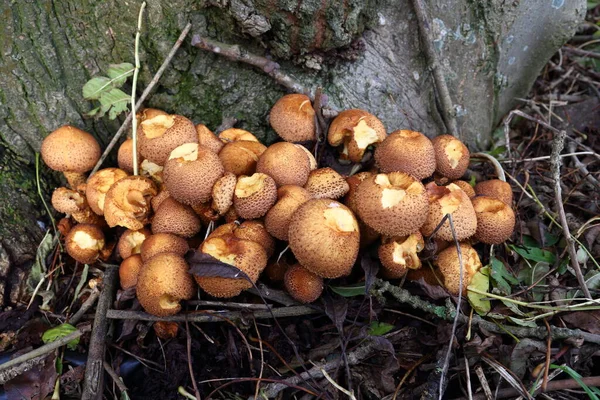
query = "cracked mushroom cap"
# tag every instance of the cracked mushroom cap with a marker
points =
(449, 199)
(311, 159)
(191, 172)
(368, 235)
(293, 118)
(248, 256)
(161, 134)
(149, 113)
(286, 163)
(131, 241)
(206, 213)
(393, 204)
(254, 195)
(399, 254)
(325, 183)
(236, 135)
(208, 139)
(84, 243)
(163, 282)
(466, 187)
(248, 230)
(222, 193)
(241, 157)
(324, 237)
(302, 284)
(98, 185)
(495, 188)
(152, 171)
(451, 156)
(125, 156)
(129, 271)
(449, 266)
(163, 243)
(356, 130)
(406, 151)
(495, 220)
(68, 201)
(176, 218)
(277, 220)
(127, 202)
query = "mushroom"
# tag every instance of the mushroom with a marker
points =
(286, 163)
(176, 218)
(495, 188)
(84, 243)
(248, 230)
(275, 270)
(399, 254)
(129, 271)
(254, 195)
(161, 134)
(206, 213)
(241, 157)
(163, 243)
(277, 220)
(368, 235)
(406, 151)
(311, 159)
(97, 186)
(495, 220)
(466, 187)
(208, 139)
(222, 193)
(125, 156)
(152, 171)
(325, 183)
(356, 130)
(163, 282)
(158, 199)
(72, 152)
(451, 156)
(166, 330)
(302, 284)
(149, 113)
(324, 237)
(73, 202)
(449, 267)
(293, 118)
(393, 204)
(236, 135)
(127, 202)
(131, 241)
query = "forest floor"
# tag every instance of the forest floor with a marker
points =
(527, 332)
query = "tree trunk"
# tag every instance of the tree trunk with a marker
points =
(365, 53)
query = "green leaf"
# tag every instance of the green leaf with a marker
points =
(501, 277)
(38, 269)
(532, 275)
(380, 328)
(481, 282)
(94, 88)
(117, 100)
(534, 254)
(349, 291)
(521, 322)
(576, 377)
(119, 73)
(58, 332)
(473, 181)
(550, 239)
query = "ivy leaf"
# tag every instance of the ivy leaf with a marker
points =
(116, 100)
(58, 332)
(94, 88)
(481, 282)
(349, 291)
(119, 73)
(534, 253)
(379, 328)
(501, 277)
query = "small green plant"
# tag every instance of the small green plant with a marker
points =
(106, 90)
(60, 331)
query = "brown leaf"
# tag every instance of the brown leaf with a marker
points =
(34, 384)
(585, 320)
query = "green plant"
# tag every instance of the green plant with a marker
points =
(106, 90)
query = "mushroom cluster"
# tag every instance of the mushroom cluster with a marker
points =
(255, 200)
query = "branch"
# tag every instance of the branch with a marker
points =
(581, 52)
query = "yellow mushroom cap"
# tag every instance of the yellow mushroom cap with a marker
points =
(451, 156)
(129, 271)
(69, 149)
(286, 163)
(163, 243)
(240, 157)
(161, 134)
(236, 135)
(356, 130)
(495, 220)
(222, 193)
(302, 284)
(449, 266)
(324, 237)
(406, 151)
(277, 220)
(399, 254)
(176, 218)
(495, 188)
(325, 183)
(98, 185)
(84, 243)
(130, 242)
(208, 139)
(127, 202)
(466, 187)
(293, 118)
(254, 195)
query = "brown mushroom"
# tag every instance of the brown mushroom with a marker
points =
(163, 243)
(406, 151)
(302, 284)
(127, 202)
(326, 183)
(129, 271)
(277, 220)
(254, 195)
(356, 130)
(495, 188)
(449, 266)
(248, 230)
(236, 135)
(240, 157)
(286, 163)
(466, 187)
(131, 241)
(293, 118)
(399, 254)
(161, 134)
(84, 243)
(495, 220)
(176, 218)
(152, 171)
(451, 156)
(208, 139)
(222, 193)
(166, 330)
(74, 202)
(98, 185)
(158, 199)
(125, 156)
(311, 159)
(368, 235)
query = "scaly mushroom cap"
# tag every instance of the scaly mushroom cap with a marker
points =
(127, 202)
(277, 220)
(311, 159)
(97, 186)
(159, 198)
(206, 212)
(293, 118)
(191, 172)
(325, 183)
(451, 200)
(166, 329)
(406, 151)
(149, 113)
(302, 284)
(399, 254)
(466, 187)
(68, 201)
(69, 149)
(129, 271)
(353, 181)
(495, 188)
(248, 230)
(393, 204)
(208, 139)
(356, 130)
(449, 267)
(125, 156)
(160, 135)
(163, 243)
(275, 270)
(236, 135)
(222, 193)
(248, 256)
(451, 156)
(84, 243)
(254, 195)
(163, 282)
(286, 163)
(176, 218)
(240, 157)
(130, 242)
(495, 220)
(324, 237)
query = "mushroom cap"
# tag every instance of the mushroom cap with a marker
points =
(286, 163)
(206, 212)
(236, 135)
(495, 188)
(158, 199)
(254, 195)
(451, 156)
(161, 134)
(176, 218)
(326, 183)
(191, 172)
(293, 118)
(241, 157)
(357, 130)
(69, 149)
(248, 256)
(393, 204)
(324, 237)
(152, 171)
(127, 202)
(84, 243)
(399, 254)
(208, 139)
(275, 270)
(248, 230)
(302, 284)
(166, 329)
(163, 243)
(98, 185)
(449, 199)
(406, 151)
(277, 220)
(163, 282)
(353, 181)
(68, 201)
(131, 241)
(495, 220)
(449, 267)
(311, 159)
(125, 156)
(222, 193)
(466, 187)
(129, 271)
(148, 113)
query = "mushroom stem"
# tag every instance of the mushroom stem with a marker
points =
(75, 179)
(136, 71)
(495, 162)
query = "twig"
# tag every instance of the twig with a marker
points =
(484, 383)
(224, 304)
(542, 158)
(557, 146)
(91, 300)
(548, 356)
(189, 360)
(116, 378)
(552, 386)
(440, 83)
(580, 52)
(136, 72)
(142, 98)
(581, 166)
(495, 162)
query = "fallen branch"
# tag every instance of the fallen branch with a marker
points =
(91, 300)
(581, 52)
